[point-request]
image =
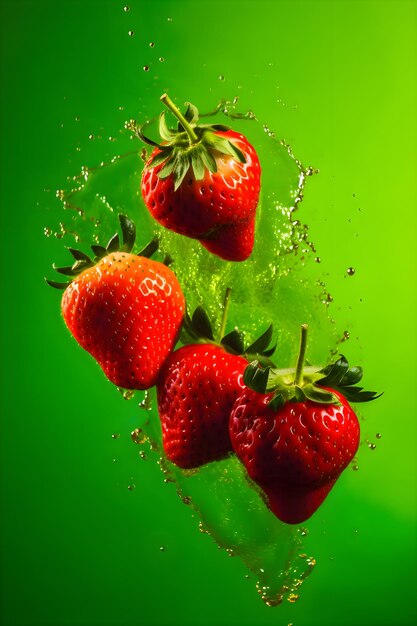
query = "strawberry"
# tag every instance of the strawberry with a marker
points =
(203, 182)
(196, 390)
(297, 436)
(125, 309)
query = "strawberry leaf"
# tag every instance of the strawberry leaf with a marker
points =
(128, 233)
(356, 394)
(256, 377)
(113, 244)
(208, 160)
(299, 395)
(201, 323)
(352, 376)
(66, 271)
(197, 165)
(191, 114)
(159, 158)
(335, 373)
(79, 255)
(181, 168)
(150, 248)
(322, 396)
(169, 166)
(262, 343)
(55, 285)
(99, 251)
(164, 131)
(234, 341)
(278, 401)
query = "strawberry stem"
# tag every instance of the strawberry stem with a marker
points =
(298, 379)
(226, 304)
(187, 127)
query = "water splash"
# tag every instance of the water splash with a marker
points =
(279, 284)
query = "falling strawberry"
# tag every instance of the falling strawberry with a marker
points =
(296, 433)
(203, 181)
(125, 309)
(197, 388)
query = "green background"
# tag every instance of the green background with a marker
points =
(338, 81)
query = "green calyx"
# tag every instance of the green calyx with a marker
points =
(83, 261)
(307, 383)
(197, 328)
(189, 145)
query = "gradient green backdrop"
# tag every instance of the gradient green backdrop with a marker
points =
(337, 80)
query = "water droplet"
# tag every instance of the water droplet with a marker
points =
(126, 9)
(138, 436)
(293, 597)
(169, 19)
(146, 68)
(378, 435)
(303, 532)
(152, 44)
(162, 59)
(112, 139)
(162, 549)
(91, 137)
(146, 403)
(372, 446)
(142, 455)
(317, 259)
(355, 467)
(221, 77)
(115, 436)
(47, 232)
(131, 487)
(131, 33)
(77, 118)
(350, 271)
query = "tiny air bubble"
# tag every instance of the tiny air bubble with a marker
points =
(350, 271)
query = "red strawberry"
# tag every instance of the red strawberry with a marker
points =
(296, 441)
(203, 182)
(295, 453)
(196, 389)
(198, 386)
(125, 310)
